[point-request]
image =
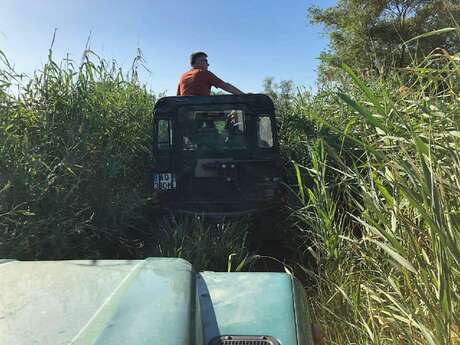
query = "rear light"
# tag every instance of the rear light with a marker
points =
(282, 198)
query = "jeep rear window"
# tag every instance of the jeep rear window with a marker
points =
(215, 131)
(264, 132)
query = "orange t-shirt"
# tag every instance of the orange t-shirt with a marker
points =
(198, 82)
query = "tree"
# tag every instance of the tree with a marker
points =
(372, 35)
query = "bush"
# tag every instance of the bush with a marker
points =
(74, 160)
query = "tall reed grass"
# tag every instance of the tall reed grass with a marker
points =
(74, 156)
(378, 211)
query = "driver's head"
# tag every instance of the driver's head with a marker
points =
(233, 117)
(199, 60)
(231, 122)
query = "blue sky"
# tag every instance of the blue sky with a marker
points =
(246, 40)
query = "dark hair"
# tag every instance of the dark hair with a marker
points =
(195, 56)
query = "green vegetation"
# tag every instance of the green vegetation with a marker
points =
(379, 207)
(373, 225)
(375, 36)
(75, 149)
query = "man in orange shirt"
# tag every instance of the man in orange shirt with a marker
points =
(198, 80)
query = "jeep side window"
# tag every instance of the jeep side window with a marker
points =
(264, 132)
(163, 134)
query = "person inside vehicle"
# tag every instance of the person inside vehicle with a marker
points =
(234, 136)
(198, 80)
(232, 124)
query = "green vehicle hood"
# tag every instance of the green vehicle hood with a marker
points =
(142, 302)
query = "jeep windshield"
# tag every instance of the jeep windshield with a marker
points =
(213, 130)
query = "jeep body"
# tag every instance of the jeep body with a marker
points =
(216, 155)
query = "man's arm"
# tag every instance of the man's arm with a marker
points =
(217, 82)
(232, 89)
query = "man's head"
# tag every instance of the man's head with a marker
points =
(199, 60)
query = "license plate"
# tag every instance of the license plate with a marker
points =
(164, 181)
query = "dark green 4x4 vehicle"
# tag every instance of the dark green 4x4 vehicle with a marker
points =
(156, 301)
(216, 155)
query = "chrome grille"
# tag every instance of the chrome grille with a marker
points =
(243, 340)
